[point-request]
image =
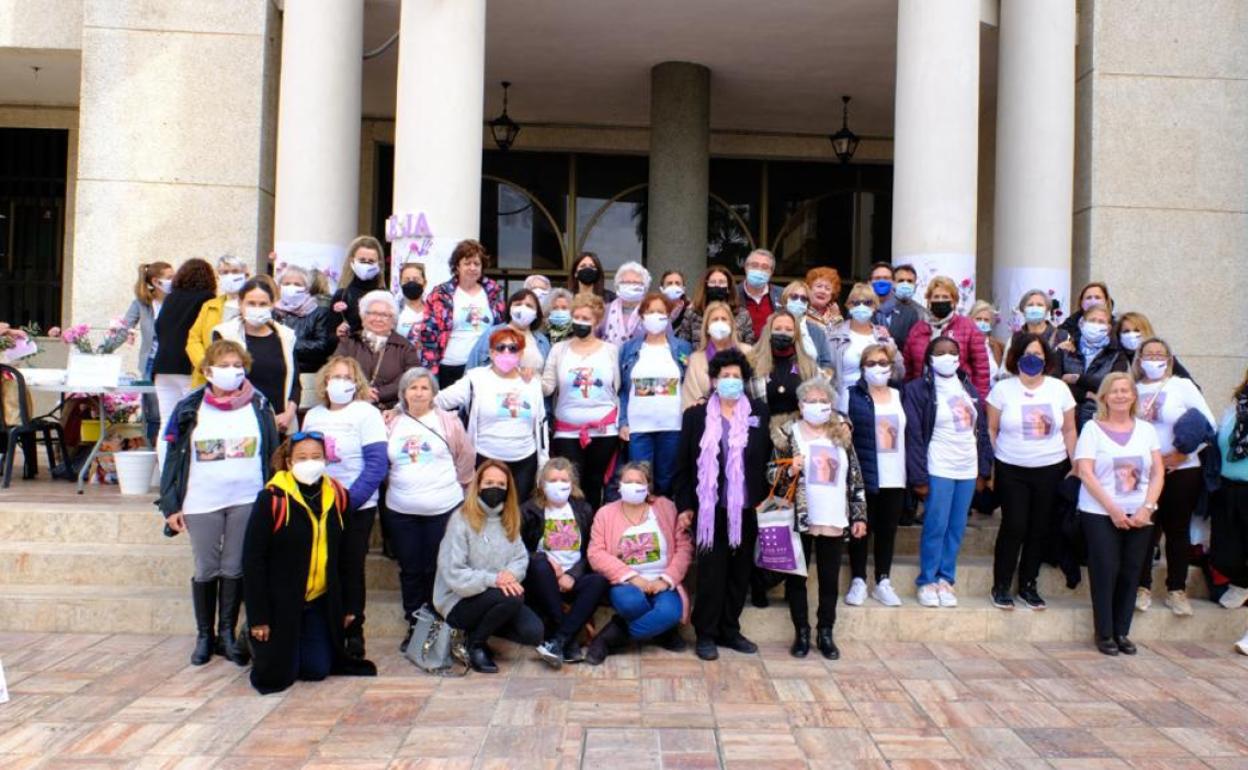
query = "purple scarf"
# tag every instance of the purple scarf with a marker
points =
(708, 470)
(298, 309)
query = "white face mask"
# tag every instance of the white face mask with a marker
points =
(258, 316)
(308, 471)
(654, 322)
(1153, 370)
(164, 284)
(340, 391)
(877, 375)
(226, 378)
(719, 330)
(557, 492)
(542, 294)
(945, 365)
(230, 283)
(633, 493)
(1131, 340)
(293, 293)
(365, 271)
(673, 292)
(523, 315)
(816, 413)
(631, 292)
(1094, 331)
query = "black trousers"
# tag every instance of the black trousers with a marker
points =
(449, 375)
(541, 592)
(827, 552)
(591, 463)
(883, 513)
(492, 613)
(1028, 525)
(1173, 518)
(1229, 537)
(354, 553)
(1114, 559)
(415, 540)
(524, 472)
(724, 579)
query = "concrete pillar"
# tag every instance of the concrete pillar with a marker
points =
(936, 140)
(680, 138)
(1035, 153)
(318, 132)
(437, 132)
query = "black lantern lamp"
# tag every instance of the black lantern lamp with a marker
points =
(504, 129)
(844, 142)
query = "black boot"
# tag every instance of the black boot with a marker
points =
(826, 646)
(353, 639)
(613, 634)
(801, 642)
(230, 600)
(672, 641)
(480, 660)
(204, 598)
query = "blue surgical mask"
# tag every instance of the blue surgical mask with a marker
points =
(903, 290)
(1034, 314)
(797, 307)
(882, 287)
(861, 313)
(757, 278)
(984, 326)
(730, 388)
(560, 318)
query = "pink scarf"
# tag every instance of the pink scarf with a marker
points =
(708, 470)
(619, 329)
(232, 401)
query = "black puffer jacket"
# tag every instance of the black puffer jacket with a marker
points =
(533, 528)
(315, 337)
(1110, 359)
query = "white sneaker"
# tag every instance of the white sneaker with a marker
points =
(884, 594)
(1242, 645)
(928, 596)
(1233, 597)
(1143, 599)
(945, 594)
(1178, 603)
(857, 592)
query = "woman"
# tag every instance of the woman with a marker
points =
(583, 376)
(1163, 400)
(984, 315)
(458, 312)
(365, 273)
(382, 354)
(632, 281)
(879, 425)
(271, 345)
(298, 310)
(232, 273)
(816, 452)
(796, 299)
(481, 562)
(558, 312)
(1031, 424)
(945, 321)
(825, 288)
(412, 311)
(153, 286)
(291, 557)
(1229, 507)
(780, 365)
(672, 286)
(193, 285)
(524, 316)
(1118, 459)
(357, 460)
(720, 468)
(430, 463)
(506, 411)
(1094, 354)
(947, 458)
(848, 339)
(643, 550)
(587, 277)
(718, 332)
(555, 525)
(1132, 329)
(1035, 308)
(540, 286)
(1094, 293)
(651, 369)
(220, 438)
(717, 285)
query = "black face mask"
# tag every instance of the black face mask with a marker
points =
(716, 293)
(782, 344)
(587, 275)
(941, 308)
(492, 497)
(582, 329)
(413, 289)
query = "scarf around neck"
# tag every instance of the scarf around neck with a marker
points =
(299, 309)
(375, 342)
(734, 470)
(235, 400)
(1239, 433)
(620, 328)
(1091, 350)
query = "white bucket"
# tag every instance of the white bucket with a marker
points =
(134, 470)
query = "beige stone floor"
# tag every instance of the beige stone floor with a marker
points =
(82, 701)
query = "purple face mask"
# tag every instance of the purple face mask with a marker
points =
(506, 362)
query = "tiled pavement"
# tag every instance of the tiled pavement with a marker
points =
(82, 701)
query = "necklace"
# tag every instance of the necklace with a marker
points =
(634, 523)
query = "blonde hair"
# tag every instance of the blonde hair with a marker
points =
(474, 514)
(864, 291)
(1102, 408)
(980, 306)
(1139, 321)
(591, 301)
(1137, 369)
(941, 282)
(357, 376)
(364, 242)
(760, 356)
(149, 273)
(557, 464)
(792, 287)
(876, 347)
(711, 309)
(1099, 308)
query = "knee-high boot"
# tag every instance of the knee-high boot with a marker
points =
(230, 598)
(204, 598)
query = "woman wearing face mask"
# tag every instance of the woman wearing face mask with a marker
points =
(193, 285)
(582, 374)
(879, 426)
(945, 321)
(555, 525)
(825, 290)
(540, 286)
(412, 305)
(1163, 400)
(459, 312)
(358, 462)
(947, 458)
(1031, 423)
(1035, 308)
(780, 365)
(651, 369)
(430, 462)
(718, 333)
(232, 273)
(816, 452)
(296, 608)
(814, 338)
(365, 272)
(1095, 355)
(622, 320)
(588, 277)
(720, 480)
(382, 354)
(1132, 329)
(1229, 505)
(717, 285)
(559, 316)
(524, 316)
(481, 562)
(848, 339)
(1094, 293)
(506, 411)
(672, 286)
(984, 315)
(297, 309)
(154, 284)
(271, 345)
(220, 439)
(639, 545)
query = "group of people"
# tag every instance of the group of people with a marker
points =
(531, 457)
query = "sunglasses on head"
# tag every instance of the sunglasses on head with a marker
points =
(303, 435)
(507, 348)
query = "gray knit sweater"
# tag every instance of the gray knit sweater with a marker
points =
(469, 562)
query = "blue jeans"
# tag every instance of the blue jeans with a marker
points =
(944, 523)
(658, 449)
(647, 615)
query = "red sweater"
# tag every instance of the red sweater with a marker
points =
(973, 352)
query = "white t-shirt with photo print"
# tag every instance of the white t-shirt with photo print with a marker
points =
(423, 478)
(225, 460)
(1161, 405)
(953, 452)
(1029, 433)
(1122, 469)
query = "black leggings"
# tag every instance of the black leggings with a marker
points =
(827, 552)
(354, 555)
(541, 592)
(1173, 518)
(416, 540)
(524, 472)
(883, 513)
(1028, 497)
(591, 463)
(492, 613)
(1114, 559)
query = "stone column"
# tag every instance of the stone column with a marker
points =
(680, 137)
(1035, 153)
(318, 133)
(936, 140)
(437, 132)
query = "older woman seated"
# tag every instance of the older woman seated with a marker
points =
(382, 354)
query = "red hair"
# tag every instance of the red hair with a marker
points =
(507, 334)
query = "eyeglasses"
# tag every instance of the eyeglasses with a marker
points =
(505, 348)
(376, 314)
(303, 435)
(876, 363)
(799, 297)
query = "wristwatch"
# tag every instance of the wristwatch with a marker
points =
(1150, 507)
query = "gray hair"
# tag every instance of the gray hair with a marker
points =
(765, 253)
(557, 293)
(642, 467)
(633, 267)
(298, 270)
(816, 384)
(530, 282)
(1022, 303)
(379, 295)
(229, 260)
(405, 382)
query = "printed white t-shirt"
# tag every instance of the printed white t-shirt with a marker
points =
(654, 403)
(471, 317)
(561, 537)
(407, 319)
(347, 431)
(1162, 403)
(644, 549)
(423, 478)
(890, 442)
(505, 413)
(225, 460)
(1029, 433)
(825, 467)
(952, 452)
(1122, 470)
(585, 389)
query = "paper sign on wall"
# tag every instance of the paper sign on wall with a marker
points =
(4, 687)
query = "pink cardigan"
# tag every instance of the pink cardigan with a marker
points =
(609, 527)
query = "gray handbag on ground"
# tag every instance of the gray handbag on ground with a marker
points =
(435, 647)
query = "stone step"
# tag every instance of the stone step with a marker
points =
(149, 610)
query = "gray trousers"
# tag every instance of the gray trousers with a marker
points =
(217, 542)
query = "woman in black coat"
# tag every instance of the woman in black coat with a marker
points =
(1096, 354)
(194, 284)
(292, 572)
(299, 309)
